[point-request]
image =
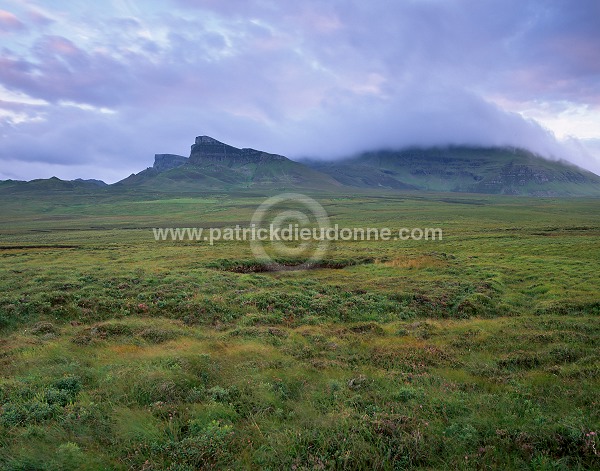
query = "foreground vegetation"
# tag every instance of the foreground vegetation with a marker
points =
(477, 351)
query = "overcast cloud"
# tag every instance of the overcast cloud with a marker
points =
(95, 89)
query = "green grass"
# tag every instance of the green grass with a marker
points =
(479, 351)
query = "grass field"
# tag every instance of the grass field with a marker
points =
(480, 351)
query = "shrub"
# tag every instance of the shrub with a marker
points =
(155, 335)
(475, 304)
(219, 394)
(60, 397)
(71, 384)
(69, 456)
(465, 434)
(205, 444)
(11, 415)
(405, 394)
(40, 411)
(41, 328)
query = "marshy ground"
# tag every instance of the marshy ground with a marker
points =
(479, 351)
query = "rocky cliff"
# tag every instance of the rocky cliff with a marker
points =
(164, 162)
(207, 149)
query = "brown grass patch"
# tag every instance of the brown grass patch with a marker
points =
(420, 261)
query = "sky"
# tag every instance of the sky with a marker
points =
(95, 89)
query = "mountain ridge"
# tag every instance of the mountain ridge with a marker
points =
(216, 166)
(463, 169)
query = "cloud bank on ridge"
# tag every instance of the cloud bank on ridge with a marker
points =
(94, 92)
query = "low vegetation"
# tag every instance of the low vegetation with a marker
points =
(479, 351)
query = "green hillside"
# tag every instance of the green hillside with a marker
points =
(52, 185)
(463, 169)
(216, 166)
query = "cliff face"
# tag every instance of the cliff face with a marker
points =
(207, 149)
(213, 165)
(164, 162)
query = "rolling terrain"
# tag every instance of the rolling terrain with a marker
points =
(476, 351)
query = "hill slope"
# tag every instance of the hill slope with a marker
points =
(463, 169)
(213, 165)
(51, 185)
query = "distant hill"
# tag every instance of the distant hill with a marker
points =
(51, 185)
(90, 180)
(213, 165)
(463, 169)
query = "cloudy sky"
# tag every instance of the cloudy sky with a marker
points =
(95, 89)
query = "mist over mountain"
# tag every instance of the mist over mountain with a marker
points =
(214, 166)
(92, 91)
(491, 170)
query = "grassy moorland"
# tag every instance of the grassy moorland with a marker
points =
(479, 351)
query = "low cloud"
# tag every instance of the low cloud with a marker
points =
(102, 91)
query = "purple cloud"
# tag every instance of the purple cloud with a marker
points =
(108, 88)
(9, 22)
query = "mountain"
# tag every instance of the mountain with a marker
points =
(213, 165)
(93, 181)
(51, 185)
(463, 169)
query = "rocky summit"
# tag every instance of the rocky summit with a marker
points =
(164, 162)
(208, 149)
(216, 166)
